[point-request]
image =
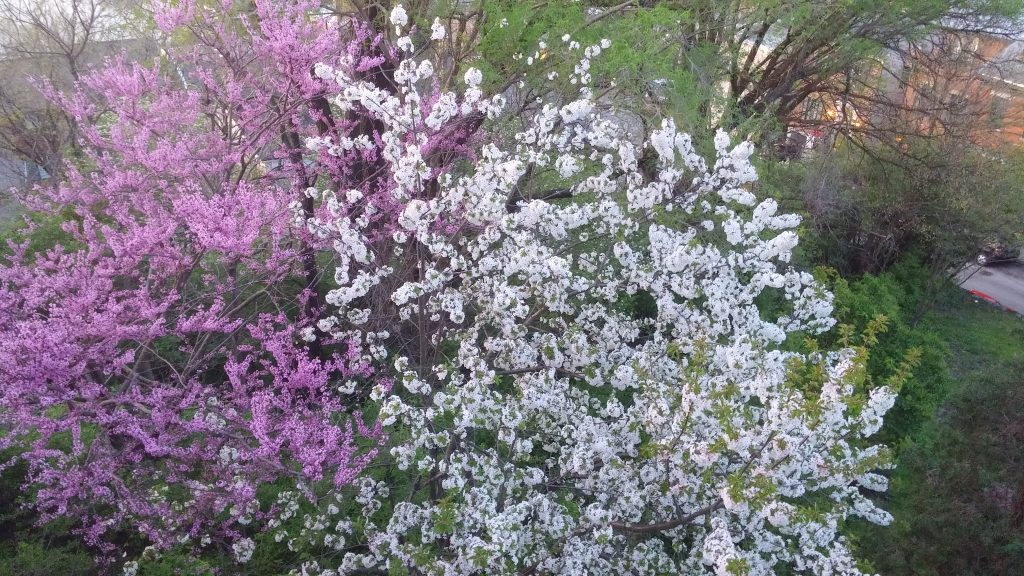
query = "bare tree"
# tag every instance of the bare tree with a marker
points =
(48, 44)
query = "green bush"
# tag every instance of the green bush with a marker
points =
(30, 549)
(37, 558)
(896, 297)
(957, 492)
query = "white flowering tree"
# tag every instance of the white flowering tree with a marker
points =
(540, 421)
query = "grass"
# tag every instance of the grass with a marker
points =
(981, 338)
(957, 494)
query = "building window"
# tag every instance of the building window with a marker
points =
(997, 111)
(954, 109)
(960, 45)
(957, 103)
(905, 73)
(813, 110)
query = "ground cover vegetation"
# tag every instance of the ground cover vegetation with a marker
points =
(436, 289)
(955, 494)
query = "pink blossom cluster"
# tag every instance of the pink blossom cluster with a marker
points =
(152, 367)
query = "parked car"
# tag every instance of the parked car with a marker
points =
(997, 252)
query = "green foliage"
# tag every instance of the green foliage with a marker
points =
(957, 491)
(29, 549)
(175, 564)
(869, 206)
(37, 558)
(903, 352)
(637, 71)
(44, 233)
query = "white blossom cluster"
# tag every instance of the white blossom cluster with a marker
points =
(547, 426)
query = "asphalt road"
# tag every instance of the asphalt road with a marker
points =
(1004, 282)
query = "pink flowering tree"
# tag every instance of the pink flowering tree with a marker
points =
(153, 367)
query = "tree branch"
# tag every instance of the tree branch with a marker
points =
(670, 524)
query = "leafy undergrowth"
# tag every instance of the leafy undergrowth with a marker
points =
(957, 493)
(30, 550)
